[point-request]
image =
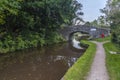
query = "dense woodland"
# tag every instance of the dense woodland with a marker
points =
(32, 23)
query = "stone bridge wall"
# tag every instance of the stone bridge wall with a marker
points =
(66, 31)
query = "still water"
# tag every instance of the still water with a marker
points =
(48, 63)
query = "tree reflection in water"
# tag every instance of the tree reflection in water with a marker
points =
(48, 63)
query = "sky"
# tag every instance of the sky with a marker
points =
(91, 9)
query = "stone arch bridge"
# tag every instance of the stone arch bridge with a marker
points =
(94, 32)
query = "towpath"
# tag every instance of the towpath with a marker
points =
(98, 69)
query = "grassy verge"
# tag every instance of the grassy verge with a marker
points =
(80, 69)
(112, 61)
(103, 39)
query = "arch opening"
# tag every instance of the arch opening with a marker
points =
(75, 37)
(78, 35)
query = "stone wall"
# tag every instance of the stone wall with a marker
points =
(92, 31)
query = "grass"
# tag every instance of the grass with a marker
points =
(80, 69)
(103, 39)
(112, 61)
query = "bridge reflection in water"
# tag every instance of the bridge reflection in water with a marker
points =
(48, 63)
(76, 44)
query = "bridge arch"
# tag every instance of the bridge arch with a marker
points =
(77, 34)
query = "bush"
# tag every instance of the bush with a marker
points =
(54, 37)
(10, 44)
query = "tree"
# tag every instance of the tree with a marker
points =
(87, 23)
(112, 11)
(94, 23)
(32, 22)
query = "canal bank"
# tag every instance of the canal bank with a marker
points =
(80, 69)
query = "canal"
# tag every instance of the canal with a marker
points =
(47, 63)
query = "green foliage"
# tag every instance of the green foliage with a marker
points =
(116, 36)
(99, 22)
(32, 23)
(80, 69)
(112, 11)
(10, 44)
(112, 61)
(54, 38)
(8, 7)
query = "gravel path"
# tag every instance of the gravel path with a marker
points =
(98, 69)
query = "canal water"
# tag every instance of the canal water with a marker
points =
(48, 63)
